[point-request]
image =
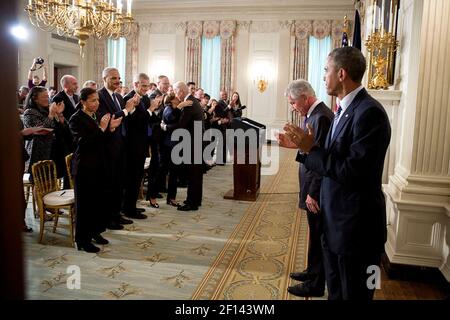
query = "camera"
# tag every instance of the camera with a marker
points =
(39, 60)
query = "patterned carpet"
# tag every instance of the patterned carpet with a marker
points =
(226, 250)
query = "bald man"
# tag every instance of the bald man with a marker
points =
(69, 85)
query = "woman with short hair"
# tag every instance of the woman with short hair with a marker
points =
(89, 170)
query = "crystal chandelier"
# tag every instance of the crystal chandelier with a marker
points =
(81, 18)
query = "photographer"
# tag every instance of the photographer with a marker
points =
(33, 80)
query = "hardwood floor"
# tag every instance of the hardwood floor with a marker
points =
(411, 283)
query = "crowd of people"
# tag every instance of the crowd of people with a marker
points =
(341, 158)
(111, 131)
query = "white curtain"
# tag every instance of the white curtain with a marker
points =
(117, 51)
(210, 78)
(318, 53)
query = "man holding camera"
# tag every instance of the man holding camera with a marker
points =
(33, 80)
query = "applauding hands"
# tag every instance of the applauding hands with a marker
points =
(111, 121)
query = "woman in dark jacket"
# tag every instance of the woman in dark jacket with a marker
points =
(170, 123)
(89, 170)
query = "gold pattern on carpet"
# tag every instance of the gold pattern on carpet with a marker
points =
(265, 246)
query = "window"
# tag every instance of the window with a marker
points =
(318, 53)
(117, 50)
(210, 79)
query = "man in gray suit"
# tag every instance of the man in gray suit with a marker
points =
(303, 100)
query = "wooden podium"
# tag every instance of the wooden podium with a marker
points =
(247, 176)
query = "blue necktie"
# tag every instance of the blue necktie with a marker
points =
(122, 125)
(304, 123)
(335, 121)
(116, 103)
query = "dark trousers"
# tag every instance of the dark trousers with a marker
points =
(195, 185)
(221, 148)
(168, 167)
(133, 179)
(153, 170)
(90, 213)
(347, 275)
(315, 268)
(114, 187)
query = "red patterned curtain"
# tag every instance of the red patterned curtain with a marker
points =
(100, 60)
(131, 67)
(194, 51)
(228, 56)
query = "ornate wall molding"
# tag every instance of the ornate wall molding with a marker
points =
(265, 26)
(145, 26)
(181, 26)
(243, 26)
(286, 25)
(163, 28)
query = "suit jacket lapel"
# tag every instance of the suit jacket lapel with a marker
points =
(346, 116)
(110, 103)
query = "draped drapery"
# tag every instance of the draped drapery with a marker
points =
(100, 60)
(319, 29)
(228, 56)
(131, 67)
(194, 51)
(301, 31)
(210, 29)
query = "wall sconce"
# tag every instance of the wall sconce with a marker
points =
(261, 84)
(261, 75)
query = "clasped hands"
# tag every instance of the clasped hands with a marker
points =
(112, 121)
(296, 138)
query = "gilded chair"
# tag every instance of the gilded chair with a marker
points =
(51, 200)
(69, 169)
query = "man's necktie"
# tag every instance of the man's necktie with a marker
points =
(116, 103)
(336, 120)
(305, 123)
(122, 125)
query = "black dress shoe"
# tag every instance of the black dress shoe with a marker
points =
(185, 202)
(136, 215)
(88, 247)
(140, 210)
(187, 207)
(27, 229)
(301, 290)
(123, 220)
(114, 226)
(299, 276)
(99, 239)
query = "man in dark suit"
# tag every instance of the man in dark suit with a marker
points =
(191, 119)
(136, 143)
(113, 104)
(156, 182)
(351, 163)
(222, 111)
(67, 95)
(302, 98)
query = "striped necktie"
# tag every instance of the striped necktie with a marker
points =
(336, 120)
